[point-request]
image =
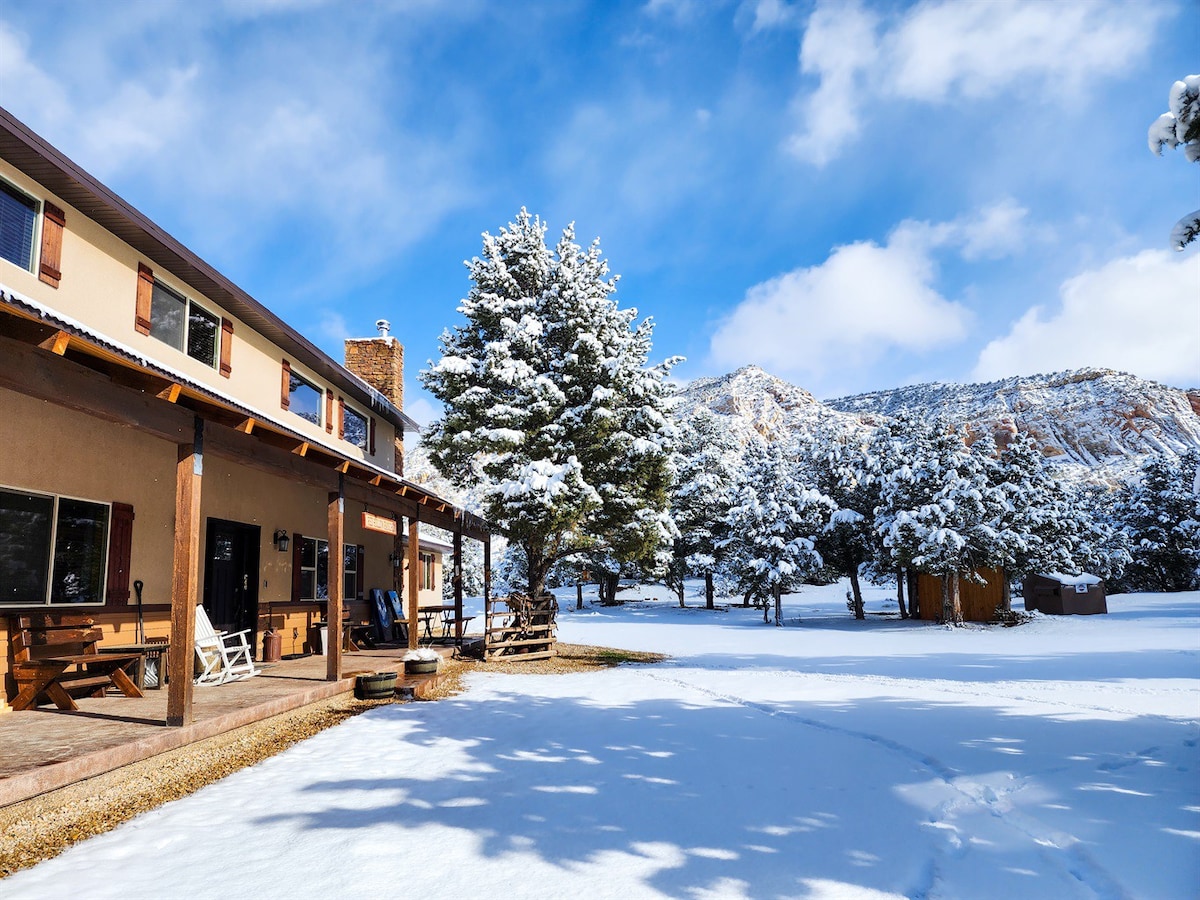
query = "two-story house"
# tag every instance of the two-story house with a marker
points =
(167, 440)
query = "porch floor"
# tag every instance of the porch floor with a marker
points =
(46, 748)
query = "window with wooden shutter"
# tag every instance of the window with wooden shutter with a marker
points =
(145, 293)
(120, 553)
(297, 566)
(341, 420)
(360, 577)
(285, 390)
(226, 347)
(371, 439)
(53, 222)
(329, 411)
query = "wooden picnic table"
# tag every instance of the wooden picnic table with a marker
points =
(53, 654)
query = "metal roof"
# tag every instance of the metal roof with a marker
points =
(34, 156)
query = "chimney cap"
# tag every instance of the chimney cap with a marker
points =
(384, 327)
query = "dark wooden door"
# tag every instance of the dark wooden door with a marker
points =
(231, 577)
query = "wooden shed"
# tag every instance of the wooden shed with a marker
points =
(979, 601)
(1059, 594)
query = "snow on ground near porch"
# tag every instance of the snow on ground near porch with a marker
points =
(829, 758)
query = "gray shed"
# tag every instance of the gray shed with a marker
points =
(1056, 593)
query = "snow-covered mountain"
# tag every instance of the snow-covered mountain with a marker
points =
(1097, 422)
(755, 402)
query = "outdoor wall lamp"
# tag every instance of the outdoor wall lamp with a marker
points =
(394, 560)
(281, 540)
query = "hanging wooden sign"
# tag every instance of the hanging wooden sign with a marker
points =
(382, 524)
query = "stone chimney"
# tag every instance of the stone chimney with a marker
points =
(379, 361)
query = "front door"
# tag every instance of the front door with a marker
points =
(231, 577)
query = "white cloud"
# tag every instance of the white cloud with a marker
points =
(771, 14)
(943, 50)
(262, 142)
(1139, 314)
(846, 312)
(839, 46)
(863, 302)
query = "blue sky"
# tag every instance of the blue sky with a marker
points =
(853, 195)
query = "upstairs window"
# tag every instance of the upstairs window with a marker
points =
(53, 550)
(185, 325)
(18, 221)
(304, 398)
(355, 428)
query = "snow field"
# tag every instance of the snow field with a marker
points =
(829, 758)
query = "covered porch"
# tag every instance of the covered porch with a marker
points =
(44, 749)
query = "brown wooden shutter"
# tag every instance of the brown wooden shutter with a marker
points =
(371, 431)
(297, 541)
(329, 410)
(285, 390)
(226, 347)
(120, 551)
(359, 576)
(53, 222)
(145, 292)
(341, 419)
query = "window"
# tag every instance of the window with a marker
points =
(183, 324)
(350, 572)
(312, 561)
(314, 569)
(426, 561)
(18, 220)
(355, 428)
(52, 549)
(304, 398)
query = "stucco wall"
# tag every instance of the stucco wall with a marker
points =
(99, 289)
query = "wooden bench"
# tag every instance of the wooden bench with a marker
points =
(55, 654)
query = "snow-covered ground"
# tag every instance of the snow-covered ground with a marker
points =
(829, 758)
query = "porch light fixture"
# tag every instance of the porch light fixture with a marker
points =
(394, 560)
(281, 540)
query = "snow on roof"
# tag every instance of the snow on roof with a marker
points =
(1070, 580)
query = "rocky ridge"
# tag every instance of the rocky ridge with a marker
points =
(1097, 423)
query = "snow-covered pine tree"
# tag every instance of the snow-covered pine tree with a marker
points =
(1162, 516)
(551, 408)
(939, 514)
(1180, 126)
(772, 526)
(838, 464)
(707, 467)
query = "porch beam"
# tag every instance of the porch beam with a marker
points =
(337, 556)
(189, 472)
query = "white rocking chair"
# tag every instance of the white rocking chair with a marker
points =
(223, 656)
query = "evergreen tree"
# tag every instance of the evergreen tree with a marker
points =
(939, 513)
(772, 527)
(1180, 127)
(838, 464)
(551, 408)
(707, 465)
(1162, 518)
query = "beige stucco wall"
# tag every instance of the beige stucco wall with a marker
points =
(45, 447)
(99, 289)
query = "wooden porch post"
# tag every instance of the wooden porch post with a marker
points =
(487, 576)
(337, 556)
(185, 578)
(458, 586)
(413, 576)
